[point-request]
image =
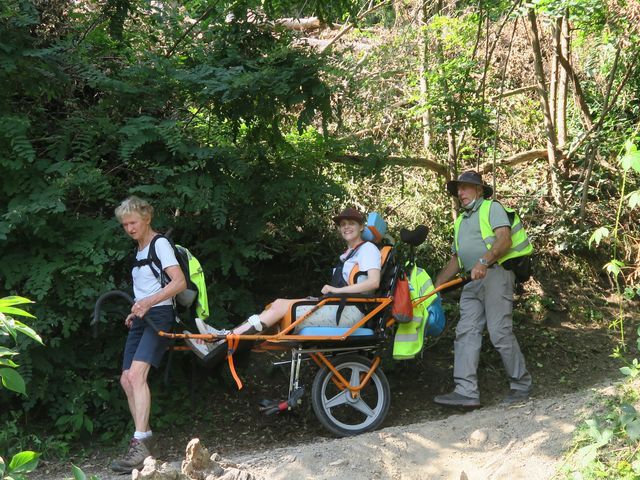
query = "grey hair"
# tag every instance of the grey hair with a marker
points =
(134, 204)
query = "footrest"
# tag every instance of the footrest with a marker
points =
(336, 331)
(269, 407)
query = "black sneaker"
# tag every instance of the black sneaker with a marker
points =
(516, 396)
(454, 399)
(134, 458)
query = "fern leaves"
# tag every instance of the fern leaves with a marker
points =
(13, 130)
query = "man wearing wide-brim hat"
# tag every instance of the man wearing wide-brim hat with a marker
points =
(482, 239)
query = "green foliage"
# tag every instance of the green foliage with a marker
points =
(26, 461)
(11, 379)
(78, 474)
(610, 442)
(224, 121)
(606, 445)
(20, 464)
(210, 124)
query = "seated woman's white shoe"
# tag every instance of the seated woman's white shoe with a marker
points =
(205, 329)
(199, 347)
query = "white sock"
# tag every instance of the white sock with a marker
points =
(142, 435)
(254, 321)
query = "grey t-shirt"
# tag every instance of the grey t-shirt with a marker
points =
(470, 244)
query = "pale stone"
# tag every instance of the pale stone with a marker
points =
(151, 471)
(235, 474)
(196, 458)
(478, 437)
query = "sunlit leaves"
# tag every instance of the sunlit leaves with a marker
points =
(614, 267)
(631, 371)
(597, 236)
(634, 199)
(631, 158)
(21, 464)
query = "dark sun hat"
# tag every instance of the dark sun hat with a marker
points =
(349, 214)
(472, 177)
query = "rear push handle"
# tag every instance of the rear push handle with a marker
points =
(98, 308)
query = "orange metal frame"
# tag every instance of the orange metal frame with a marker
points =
(339, 380)
(283, 335)
(320, 359)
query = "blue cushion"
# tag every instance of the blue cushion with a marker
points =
(335, 331)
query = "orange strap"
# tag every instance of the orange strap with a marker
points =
(233, 341)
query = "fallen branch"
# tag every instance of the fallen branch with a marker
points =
(394, 160)
(521, 157)
(300, 24)
(439, 168)
(515, 91)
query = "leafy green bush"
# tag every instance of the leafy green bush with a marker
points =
(26, 461)
(91, 113)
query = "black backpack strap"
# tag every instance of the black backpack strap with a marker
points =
(153, 261)
(337, 277)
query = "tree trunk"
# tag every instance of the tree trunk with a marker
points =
(590, 158)
(424, 68)
(452, 153)
(578, 94)
(561, 110)
(555, 66)
(554, 188)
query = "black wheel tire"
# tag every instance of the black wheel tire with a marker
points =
(338, 411)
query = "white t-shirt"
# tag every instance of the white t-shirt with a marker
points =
(145, 282)
(367, 257)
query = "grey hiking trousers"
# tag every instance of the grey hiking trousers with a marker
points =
(487, 302)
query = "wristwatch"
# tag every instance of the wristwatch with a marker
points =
(483, 261)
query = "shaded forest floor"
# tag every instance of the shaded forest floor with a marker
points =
(563, 331)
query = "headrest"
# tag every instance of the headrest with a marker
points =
(414, 237)
(375, 228)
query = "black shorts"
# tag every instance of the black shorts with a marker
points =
(143, 343)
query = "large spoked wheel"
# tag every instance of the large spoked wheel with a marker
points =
(344, 413)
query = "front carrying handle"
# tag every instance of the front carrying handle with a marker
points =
(98, 307)
(445, 287)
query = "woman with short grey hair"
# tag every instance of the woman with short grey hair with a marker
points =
(154, 303)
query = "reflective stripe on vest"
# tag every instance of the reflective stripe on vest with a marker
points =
(409, 338)
(520, 244)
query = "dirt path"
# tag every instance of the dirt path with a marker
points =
(492, 443)
(521, 442)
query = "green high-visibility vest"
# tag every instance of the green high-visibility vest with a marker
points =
(409, 338)
(520, 244)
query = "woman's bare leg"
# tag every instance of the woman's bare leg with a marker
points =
(271, 316)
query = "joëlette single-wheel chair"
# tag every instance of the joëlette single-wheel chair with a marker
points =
(350, 393)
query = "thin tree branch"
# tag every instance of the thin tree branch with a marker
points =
(439, 168)
(349, 25)
(610, 105)
(515, 91)
(207, 12)
(516, 159)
